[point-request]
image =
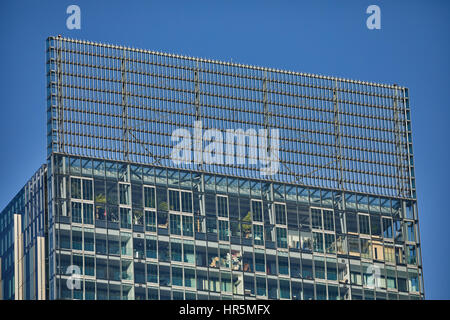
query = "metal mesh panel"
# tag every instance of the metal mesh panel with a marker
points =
(118, 103)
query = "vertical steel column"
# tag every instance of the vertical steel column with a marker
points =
(337, 135)
(125, 128)
(398, 146)
(60, 137)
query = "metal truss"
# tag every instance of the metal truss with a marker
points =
(119, 103)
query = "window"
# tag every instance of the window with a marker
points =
(211, 225)
(150, 221)
(127, 270)
(389, 253)
(330, 243)
(293, 239)
(225, 282)
(138, 248)
(285, 290)
(189, 278)
(188, 226)
(328, 220)
(75, 188)
(151, 247)
(111, 192)
(136, 195)
(352, 222)
(89, 269)
(261, 287)
(175, 224)
(88, 213)
(258, 232)
(163, 251)
(112, 214)
(410, 230)
(188, 252)
(113, 244)
(283, 265)
(307, 241)
(366, 249)
(280, 213)
(316, 216)
(76, 212)
(149, 197)
(77, 238)
(152, 273)
(413, 280)
(364, 227)
(88, 240)
(257, 210)
(125, 218)
(281, 237)
(100, 243)
(222, 206)
(375, 225)
(224, 233)
(318, 242)
(163, 220)
(391, 278)
(411, 254)
(387, 227)
(176, 250)
(174, 200)
(186, 202)
(126, 244)
(87, 190)
(124, 194)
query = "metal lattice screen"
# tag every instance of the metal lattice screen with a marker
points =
(118, 103)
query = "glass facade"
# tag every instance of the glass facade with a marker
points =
(23, 228)
(189, 235)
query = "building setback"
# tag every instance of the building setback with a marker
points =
(113, 216)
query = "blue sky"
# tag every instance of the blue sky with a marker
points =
(326, 37)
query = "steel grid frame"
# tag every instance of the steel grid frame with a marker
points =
(120, 103)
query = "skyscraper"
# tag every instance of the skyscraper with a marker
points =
(171, 177)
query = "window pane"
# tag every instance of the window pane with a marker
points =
(174, 200)
(328, 220)
(281, 237)
(258, 231)
(280, 213)
(175, 249)
(150, 221)
(88, 213)
(316, 215)
(125, 218)
(87, 190)
(222, 206)
(364, 224)
(175, 224)
(387, 227)
(223, 230)
(76, 212)
(257, 211)
(188, 226)
(149, 197)
(75, 188)
(126, 244)
(151, 247)
(186, 201)
(124, 194)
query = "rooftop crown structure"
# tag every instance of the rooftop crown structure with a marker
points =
(336, 219)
